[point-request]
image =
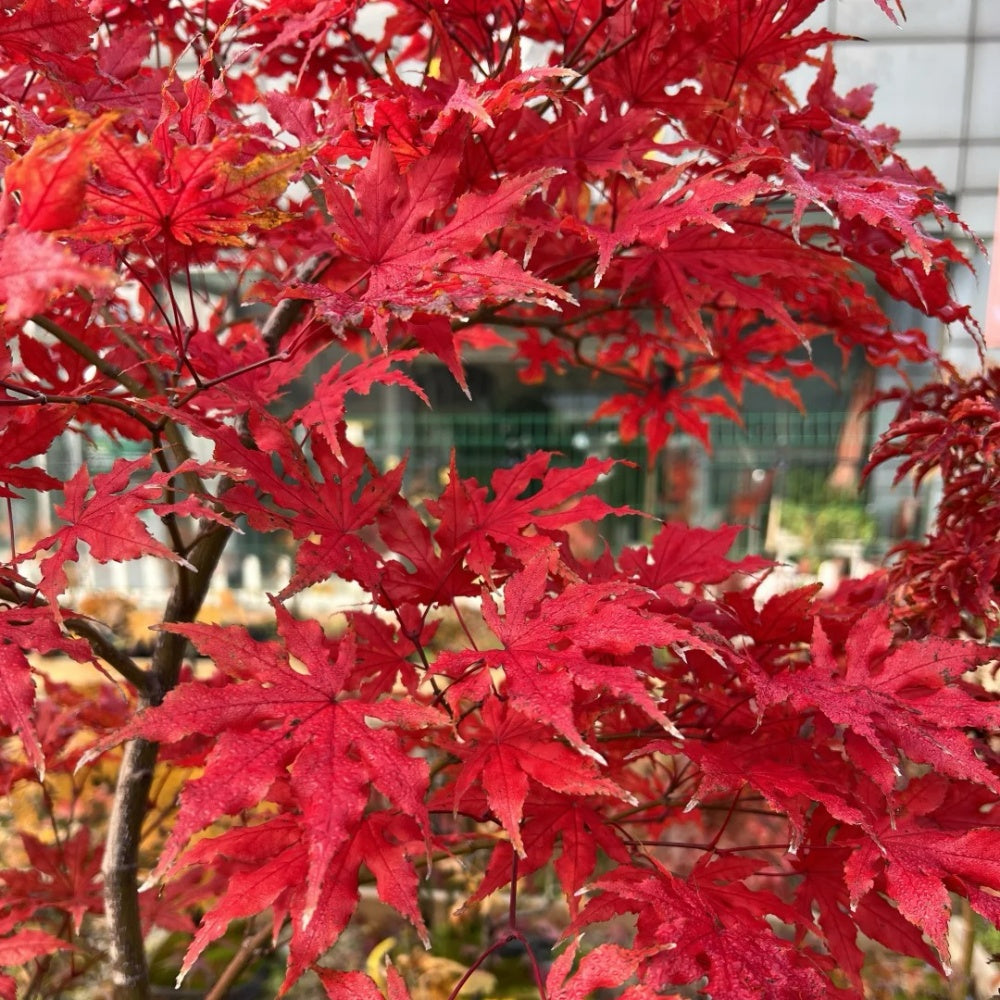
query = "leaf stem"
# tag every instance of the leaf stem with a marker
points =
(512, 908)
(467, 975)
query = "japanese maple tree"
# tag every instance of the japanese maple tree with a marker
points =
(744, 787)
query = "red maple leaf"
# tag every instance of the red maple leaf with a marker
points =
(907, 700)
(36, 269)
(325, 411)
(578, 825)
(45, 30)
(681, 553)
(784, 618)
(28, 629)
(587, 638)
(885, 5)
(824, 891)
(504, 751)
(949, 579)
(668, 205)
(51, 178)
(922, 859)
(318, 497)
(64, 876)
(19, 948)
(358, 986)
(268, 868)
(486, 528)
(183, 195)
(308, 728)
(709, 924)
(103, 512)
(606, 966)
(791, 772)
(25, 435)
(407, 261)
(416, 571)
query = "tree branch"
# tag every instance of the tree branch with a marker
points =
(249, 949)
(289, 311)
(110, 653)
(86, 352)
(128, 966)
(129, 972)
(101, 645)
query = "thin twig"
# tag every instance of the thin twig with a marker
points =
(86, 352)
(248, 950)
(110, 653)
(87, 630)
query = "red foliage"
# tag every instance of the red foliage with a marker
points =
(622, 187)
(948, 582)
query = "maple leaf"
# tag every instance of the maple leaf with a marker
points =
(700, 267)
(317, 497)
(21, 947)
(950, 577)
(325, 411)
(43, 29)
(656, 415)
(887, 206)
(268, 867)
(579, 827)
(183, 195)
(885, 6)
(922, 861)
(403, 260)
(108, 520)
(64, 876)
(783, 619)
(485, 528)
(823, 890)
(358, 986)
(17, 697)
(708, 925)
(775, 43)
(791, 773)
(22, 629)
(24, 436)
(665, 206)
(906, 699)
(607, 965)
(36, 269)
(745, 352)
(277, 721)
(384, 651)
(51, 178)
(120, 79)
(681, 553)
(416, 571)
(504, 749)
(584, 638)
